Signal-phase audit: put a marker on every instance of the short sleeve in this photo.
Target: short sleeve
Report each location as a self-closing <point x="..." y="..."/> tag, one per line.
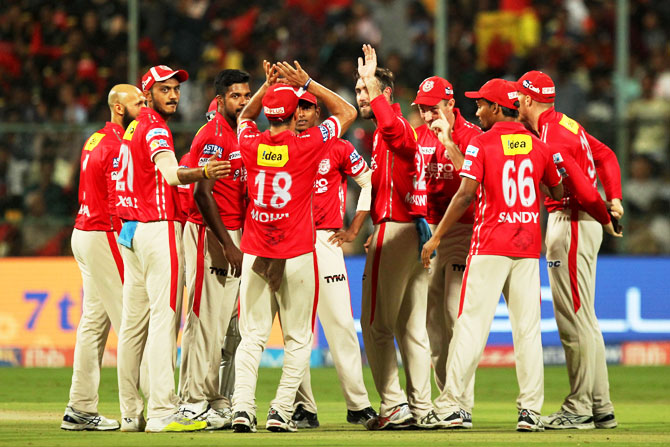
<point x="473" y="164"/>
<point x="551" y="177"/>
<point x="353" y="163"/>
<point x="247" y="132"/>
<point x="159" y="139"/>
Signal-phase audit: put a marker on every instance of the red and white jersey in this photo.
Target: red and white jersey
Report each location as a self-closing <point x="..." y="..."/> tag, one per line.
<point x="216" y="137"/>
<point x="281" y="171"/>
<point x="330" y="187"/>
<point x="185" y="191"/>
<point x="442" y="179"/>
<point x="509" y="162"/>
<point x="97" y="180"/>
<point x="394" y="169"/>
<point x="142" y="192"/>
<point x="567" y="136"/>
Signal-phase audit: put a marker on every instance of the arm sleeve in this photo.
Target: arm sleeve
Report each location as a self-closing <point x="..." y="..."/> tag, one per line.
<point x="167" y="163"/>
<point x="159" y="139"/>
<point x="587" y="196"/>
<point x="473" y="165"/>
<point x="607" y="167"/>
<point x="396" y="132"/>
<point x="364" y="180"/>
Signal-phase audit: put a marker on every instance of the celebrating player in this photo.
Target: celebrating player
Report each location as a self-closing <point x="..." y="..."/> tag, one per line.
<point x="213" y="259"/>
<point x="148" y="203"/>
<point x="334" y="309"/>
<point x="574" y="234"/>
<point x="279" y="266"/>
<point x="442" y="142"/>
<point x="394" y="284"/>
<point x="503" y="167"/>
<point x="97" y="253"/>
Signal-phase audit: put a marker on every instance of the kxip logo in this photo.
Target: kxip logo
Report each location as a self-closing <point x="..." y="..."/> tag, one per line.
<point x="428" y="86"/>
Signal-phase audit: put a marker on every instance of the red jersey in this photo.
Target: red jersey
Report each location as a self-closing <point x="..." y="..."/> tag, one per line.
<point x="394" y="179"/>
<point x="281" y="169"/>
<point x="442" y="179"/>
<point x="593" y="157"/>
<point x="330" y="188"/>
<point x="97" y="180"/>
<point x="216" y="137"/>
<point x="509" y="162"/>
<point x="185" y="191"/>
<point x="143" y="194"/>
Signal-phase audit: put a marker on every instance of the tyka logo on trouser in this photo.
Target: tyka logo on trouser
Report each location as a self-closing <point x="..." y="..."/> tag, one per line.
<point x="218" y="271"/>
<point x="458" y="267"/>
<point x="553" y="264"/>
<point x="335" y="278"/>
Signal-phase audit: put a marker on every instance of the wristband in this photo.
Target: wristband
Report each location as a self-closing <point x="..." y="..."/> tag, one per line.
<point x="304" y="87"/>
<point x="204" y="172"/>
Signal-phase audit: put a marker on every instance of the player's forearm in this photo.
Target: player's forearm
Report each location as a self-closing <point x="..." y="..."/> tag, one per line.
<point x="255" y="105"/>
<point x="396" y="133"/>
<point x="455" y="155"/>
<point x="210" y="214"/>
<point x="457" y="207"/>
<point x="336" y="105"/>
<point x="364" y="180"/>
<point x="358" y="221"/>
<point x="607" y="167"/>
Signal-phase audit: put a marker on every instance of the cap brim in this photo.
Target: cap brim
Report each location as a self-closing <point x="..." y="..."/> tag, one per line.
<point x="427" y="101"/>
<point x="473" y="95"/>
<point x="181" y="75"/>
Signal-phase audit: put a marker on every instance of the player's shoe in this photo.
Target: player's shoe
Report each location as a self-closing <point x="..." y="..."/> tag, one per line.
<point x="194" y="411"/>
<point x="529" y="421"/>
<point x="606" y="420"/>
<point x="174" y="423"/>
<point x="361" y="416"/>
<point x="244" y="423"/>
<point x="564" y="420"/>
<point x="304" y="418"/>
<point x="133" y="424"/>
<point x="278" y="422"/>
<point x="400" y="415"/>
<point x="457" y="419"/>
<point x="429" y="421"/>
<point x="78" y="420"/>
<point x="217" y="419"/>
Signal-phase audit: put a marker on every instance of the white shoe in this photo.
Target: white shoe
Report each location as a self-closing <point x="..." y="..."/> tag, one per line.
<point x="429" y="421"/>
<point x="78" y="421"/>
<point x="529" y="421"/>
<point x="194" y="411"/>
<point x="133" y="424"/>
<point x="218" y="419"/>
<point x="399" y="415"/>
<point x="174" y="423"/>
<point x="563" y="420"/>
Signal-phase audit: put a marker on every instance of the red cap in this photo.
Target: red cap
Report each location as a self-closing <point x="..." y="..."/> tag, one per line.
<point x="537" y="85"/>
<point x="161" y="73"/>
<point x="433" y="90"/>
<point x="497" y="90"/>
<point x="307" y="96"/>
<point x="279" y="102"/>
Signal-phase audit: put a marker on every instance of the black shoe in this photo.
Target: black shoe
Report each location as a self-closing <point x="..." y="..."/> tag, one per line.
<point x="361" y="416"/>
<point x="278" y="422"/>
<point x="304" y="418"/>
<point x="243" y="423"/>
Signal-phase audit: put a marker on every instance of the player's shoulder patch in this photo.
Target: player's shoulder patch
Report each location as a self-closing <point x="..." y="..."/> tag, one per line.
<point x="569" y="123"/>
<point x="130" y="130"/>
<point x="557" y="158"/>
<point x="472" y="151"/>
<point x="93" y="141"/>
<point x="157" y="132"/>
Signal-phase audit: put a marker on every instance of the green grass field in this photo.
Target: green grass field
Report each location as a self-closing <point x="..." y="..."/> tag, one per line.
<point x="32" y="403"/>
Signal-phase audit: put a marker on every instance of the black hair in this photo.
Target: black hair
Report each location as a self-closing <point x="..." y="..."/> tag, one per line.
<point x="506" y="111"/>
<point x="228" y="77"/>
<point x="385" y="77"/>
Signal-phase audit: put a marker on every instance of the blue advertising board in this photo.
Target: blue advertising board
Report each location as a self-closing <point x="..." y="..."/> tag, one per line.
<point x="632" y="301"/>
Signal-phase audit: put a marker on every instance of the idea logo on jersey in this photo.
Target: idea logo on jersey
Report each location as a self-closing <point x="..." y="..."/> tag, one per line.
<point x="273" y="156"/>
<point x="516" y="144"/>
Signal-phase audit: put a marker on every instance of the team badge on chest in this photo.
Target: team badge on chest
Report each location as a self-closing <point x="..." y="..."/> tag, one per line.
<point x="324" y="166"/>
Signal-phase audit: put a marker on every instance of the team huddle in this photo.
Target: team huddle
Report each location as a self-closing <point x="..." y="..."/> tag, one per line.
<point x="251" y="222"/>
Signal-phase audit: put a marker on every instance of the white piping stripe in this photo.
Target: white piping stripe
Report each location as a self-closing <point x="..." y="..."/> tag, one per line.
<point x="158" y="207"/>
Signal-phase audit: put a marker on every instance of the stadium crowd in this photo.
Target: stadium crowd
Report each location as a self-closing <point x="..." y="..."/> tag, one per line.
<point x="59" y="60"/>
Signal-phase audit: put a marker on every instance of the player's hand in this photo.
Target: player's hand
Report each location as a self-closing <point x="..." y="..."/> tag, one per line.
<point x="294" y="76"/>
<point x="217" y="168"/>
<point x="367" y="65"/>
<point x="367" y="243"/>
<point x="271" y="73"/>
<point x="442" y="129"/>
<point x="428" y="251"/>
<point x="339" y="237"/>
<point x="234" y="257"/>
<point x="609" y="229"/>
<point x="616" y="208"/>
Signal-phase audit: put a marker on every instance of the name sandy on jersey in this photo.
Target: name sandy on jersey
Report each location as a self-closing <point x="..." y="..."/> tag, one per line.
<point x="518" y="217"/>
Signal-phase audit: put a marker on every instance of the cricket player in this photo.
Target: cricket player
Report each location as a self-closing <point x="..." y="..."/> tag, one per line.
<point x="148" y="203"/>
<point x="503" y="168"/>
<point x="442" y="163"/>
<point x="213" y="259"/>
<point x="394" y="284"/>
<point x="334" y="309"/>
<point x="279" y="269"/>
<point x="97" y="253"/>
<point x="574" y="234"/>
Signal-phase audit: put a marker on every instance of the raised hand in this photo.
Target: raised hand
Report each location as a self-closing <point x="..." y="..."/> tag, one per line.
<point x="294" y="76"/>
<point x="367" y="66"/>
<point x="271" y="73"/>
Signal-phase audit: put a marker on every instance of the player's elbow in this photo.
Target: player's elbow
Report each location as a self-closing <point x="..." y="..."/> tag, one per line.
<point x="347" y="116"/>
<point x="556" y="191"/>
